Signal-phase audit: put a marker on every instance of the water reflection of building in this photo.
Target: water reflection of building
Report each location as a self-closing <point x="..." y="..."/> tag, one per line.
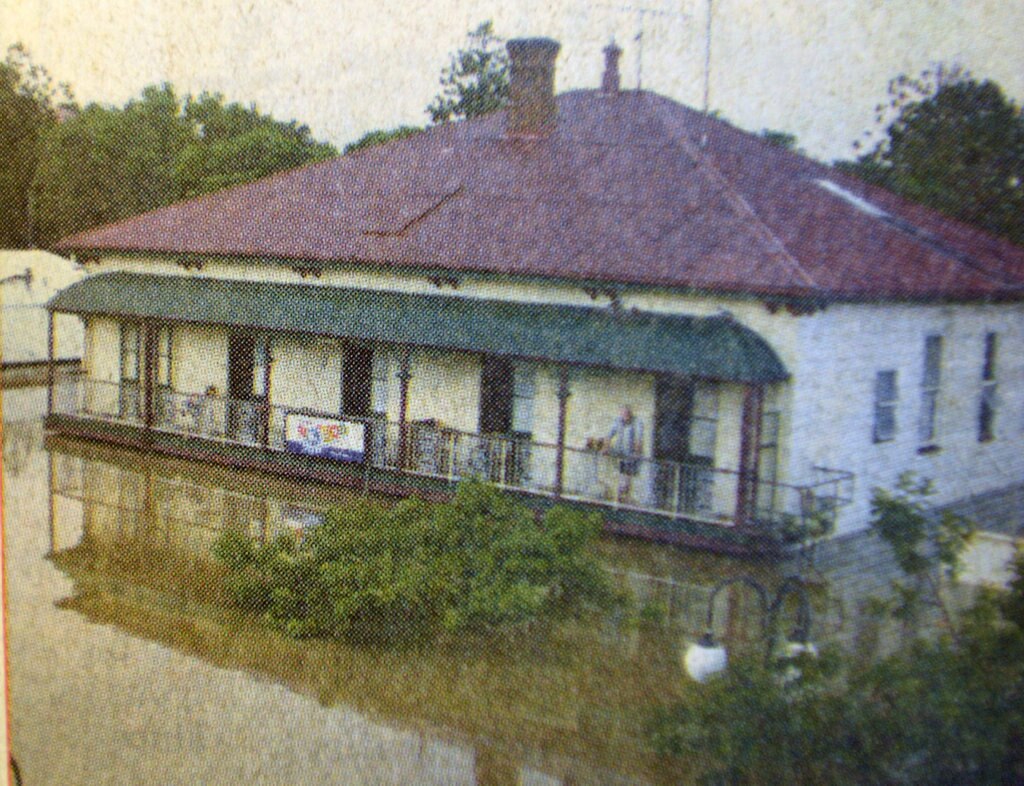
<point x="134" y="533"/>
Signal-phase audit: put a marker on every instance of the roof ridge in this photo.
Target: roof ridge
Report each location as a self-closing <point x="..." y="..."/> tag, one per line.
<point x="735" y="199"/>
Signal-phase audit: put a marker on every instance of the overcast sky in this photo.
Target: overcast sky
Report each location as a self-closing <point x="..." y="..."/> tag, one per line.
<point x="815" y="68"/>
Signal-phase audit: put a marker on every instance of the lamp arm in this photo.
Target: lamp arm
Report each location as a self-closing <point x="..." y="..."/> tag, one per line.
<point x="762" y="594"/>
<point x="791" y="585"/>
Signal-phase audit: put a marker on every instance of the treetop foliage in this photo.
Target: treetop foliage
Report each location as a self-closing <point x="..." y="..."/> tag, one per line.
<point x="380" y="136"/>
<point x="954" y="143"/>
<point x="476" y="79"/>
<point x="69" y="169"/>
<point x="29" y="104"/>
<point x="107" y="163"/>
<point x="940" y="710"/>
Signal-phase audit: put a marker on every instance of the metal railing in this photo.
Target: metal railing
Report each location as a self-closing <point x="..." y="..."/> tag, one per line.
<point x="671" y="489"/>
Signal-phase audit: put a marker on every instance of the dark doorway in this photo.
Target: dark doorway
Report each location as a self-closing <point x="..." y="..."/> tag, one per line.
<point x="246" y="414"/>
<point x="684" y="485"/>
<point x="241" y="367"/>
<point x="673" y="406"/>
<point x="356" y="380"/>
<point x="497" y="384"/>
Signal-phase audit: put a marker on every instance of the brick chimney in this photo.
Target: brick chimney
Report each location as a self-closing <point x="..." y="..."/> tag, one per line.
<point x="532" y="110"/>
<point x="611" y="81"/>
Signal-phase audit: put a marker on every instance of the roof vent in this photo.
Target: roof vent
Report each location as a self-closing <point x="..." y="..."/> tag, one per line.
<point x="532" y="110"/>
<point x="611" y="80"/>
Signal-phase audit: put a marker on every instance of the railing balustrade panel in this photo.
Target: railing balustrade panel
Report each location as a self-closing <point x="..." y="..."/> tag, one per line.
<point x="667" y="488"/>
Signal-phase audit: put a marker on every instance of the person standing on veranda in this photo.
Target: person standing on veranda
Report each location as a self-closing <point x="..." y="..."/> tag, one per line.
<point x="626" y="442"/>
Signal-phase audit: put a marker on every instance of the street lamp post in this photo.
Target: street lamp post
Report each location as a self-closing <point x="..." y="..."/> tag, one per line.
<point x="707" y="657"/>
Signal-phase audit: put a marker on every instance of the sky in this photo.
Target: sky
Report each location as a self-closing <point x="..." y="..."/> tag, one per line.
<point x="813" y="68"/>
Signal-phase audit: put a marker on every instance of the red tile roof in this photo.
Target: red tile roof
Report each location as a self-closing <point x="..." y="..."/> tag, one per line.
<point x="633" y="189"/>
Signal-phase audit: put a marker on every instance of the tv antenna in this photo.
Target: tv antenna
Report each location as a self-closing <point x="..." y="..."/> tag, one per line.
<point x="642" y="12"/>
<point x="707" y="59"/>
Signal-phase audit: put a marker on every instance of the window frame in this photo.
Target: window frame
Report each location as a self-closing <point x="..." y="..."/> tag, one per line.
<point x="987" y="405"/>
<point x="882" y="404"/>
<point x="165" y="357"/>
<point x="931" y="387"/>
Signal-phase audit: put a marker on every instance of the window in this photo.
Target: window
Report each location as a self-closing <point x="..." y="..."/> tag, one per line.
<point x="886" y="395"/>
<point x="163" y="357"/>
<point x="930" y="383"/>
<point x="987" y="403"/>
<point x="704" y="421"/>
<point x="382" y="373"/>
<point x="131" y="338"/>
<point x="162" y="395"/>
<point x="523" y="393"/>
<point x="130" y="394"/>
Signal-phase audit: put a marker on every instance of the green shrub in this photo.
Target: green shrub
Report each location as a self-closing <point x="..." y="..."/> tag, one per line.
<point x="479" y="562"/>
<point x="945" y="710"/>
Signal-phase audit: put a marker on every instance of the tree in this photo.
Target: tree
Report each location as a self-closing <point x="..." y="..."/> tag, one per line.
<point x="233" y="144"/>
<point x="781" y="139"/>
<point x="925" y="543"/>
<point x="955" y="144"/>
<point x="380" y="136"/>
<point x="481" y="562"/>
<point x="943" y="709"/>
<point x="108" y="163"/>
<point x="476" y="79"/>
<point x="29" y="102"/>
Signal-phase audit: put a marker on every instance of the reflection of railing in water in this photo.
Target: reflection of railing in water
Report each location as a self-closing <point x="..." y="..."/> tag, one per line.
<point x="516" y="462"/>
<point x="171" y="512"/>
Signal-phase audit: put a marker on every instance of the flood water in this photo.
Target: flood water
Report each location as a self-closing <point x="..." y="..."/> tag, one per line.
<point x="126" y="665"/>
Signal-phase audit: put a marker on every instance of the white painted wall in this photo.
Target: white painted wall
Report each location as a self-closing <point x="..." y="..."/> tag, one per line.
<point x="306" y="373"/>
<point x="23" y="326"/>
<point x="200" y="359"/>
<point x="826" y="412"/>
<point x="102" y="363"/>
<point x="840" y="351"/>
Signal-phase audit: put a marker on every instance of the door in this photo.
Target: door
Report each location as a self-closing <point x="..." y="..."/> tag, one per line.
<point x="685" y="413"/>
<point x="246" y="396"/>
<point x="356" y="381"/>
<point x="129" y="404"/>
<point x="497" y="388"/>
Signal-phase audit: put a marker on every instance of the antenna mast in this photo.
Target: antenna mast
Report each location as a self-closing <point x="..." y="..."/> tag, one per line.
<point x="641" y="12"/>
<point x="707" y="60"/>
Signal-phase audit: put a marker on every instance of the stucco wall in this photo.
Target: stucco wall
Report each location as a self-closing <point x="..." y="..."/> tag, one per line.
<point x="306" y="373"/>
<point x="841" y="350"/>
<point x="200" y="359"/>
<point x="102" y="364"/>
<point x="445" y="386"/>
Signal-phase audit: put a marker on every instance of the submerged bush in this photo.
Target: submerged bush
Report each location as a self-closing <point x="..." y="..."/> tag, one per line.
<point x="479" y="562"/>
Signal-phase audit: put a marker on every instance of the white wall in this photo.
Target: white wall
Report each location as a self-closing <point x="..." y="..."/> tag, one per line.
<point x="23" y="326"/>
<point x="306" y="373"/>
<point x="840" y="351"/>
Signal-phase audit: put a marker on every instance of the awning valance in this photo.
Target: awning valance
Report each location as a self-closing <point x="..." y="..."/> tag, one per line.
<point x="714" y="347"/>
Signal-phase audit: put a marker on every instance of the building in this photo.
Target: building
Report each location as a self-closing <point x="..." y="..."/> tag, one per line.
<point x="485" y="297"/>
<point x="29" y="279"/>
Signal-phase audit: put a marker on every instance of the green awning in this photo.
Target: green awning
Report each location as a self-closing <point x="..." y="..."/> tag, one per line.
<point x="715" y="347"/>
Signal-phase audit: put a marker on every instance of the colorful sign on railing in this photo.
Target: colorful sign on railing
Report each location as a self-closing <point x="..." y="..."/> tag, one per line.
<point x="341" y="440"/>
